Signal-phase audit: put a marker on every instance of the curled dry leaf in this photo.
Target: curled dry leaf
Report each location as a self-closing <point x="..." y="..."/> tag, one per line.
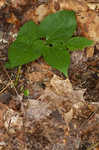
<point x="61" y="96"/>
<point x="64" y="88"/>
<point x="61" y="87"/>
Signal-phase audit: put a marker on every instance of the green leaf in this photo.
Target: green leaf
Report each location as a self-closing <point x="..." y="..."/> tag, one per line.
<point x="26" y="92"/>
<point x="22" y="53"/>
<point x="27" y="47"/>
<point x="58" y="58"/>
<point x="76" y="43"/>
<point x="28" y="32"/>
<point x="60" y="25"/>
<point x="48" y="40"/>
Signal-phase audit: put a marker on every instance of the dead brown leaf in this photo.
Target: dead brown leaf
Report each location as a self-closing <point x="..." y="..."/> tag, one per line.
<point x="3" y="109"/>
<point x="12" y="19"/>
<point x="37" y="110"/>
<point x="90" y="51"/>
<point x="2" y="3"/>
<point x="61" y="95"/>
<point x="12" y="121"/>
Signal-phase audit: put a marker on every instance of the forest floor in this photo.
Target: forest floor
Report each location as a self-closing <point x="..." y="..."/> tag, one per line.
<point x="41" y="109"/>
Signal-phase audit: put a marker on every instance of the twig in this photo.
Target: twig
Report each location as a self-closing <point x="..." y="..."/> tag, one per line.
<point x="9" y="78"/>
<point x="93" y="146"/>
<point x="5" y="88"/>
<point x="17" y="76"/>
<point x="89" y="117"/>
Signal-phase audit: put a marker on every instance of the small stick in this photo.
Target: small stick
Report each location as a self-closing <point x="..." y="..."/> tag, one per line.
<point x="9" y="78"/>
<point x="93" y="146"/>
<point x="5" y="88"/>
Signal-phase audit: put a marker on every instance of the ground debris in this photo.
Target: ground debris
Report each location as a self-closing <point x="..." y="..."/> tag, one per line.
<point x="58" y="114"/>
<point x="46" y="119"/>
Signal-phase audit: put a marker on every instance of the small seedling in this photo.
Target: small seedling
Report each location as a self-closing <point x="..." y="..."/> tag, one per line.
<point x="52" y="39"/>
<point x="26" y="92"/>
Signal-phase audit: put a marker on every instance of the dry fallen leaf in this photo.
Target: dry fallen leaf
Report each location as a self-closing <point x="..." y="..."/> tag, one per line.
<point x="12" y="19"/>
<point x="90" y="51"/>
<point x="18" y="3"/>
<point x="37" y="110"/>
<point x="2" y="3"/>
<point x="38" y="72"/>
<point x="61" y="95"/>
<point x="12" y="121"/>
<point x="64" y="88"/>
<point x="3" y="109"/>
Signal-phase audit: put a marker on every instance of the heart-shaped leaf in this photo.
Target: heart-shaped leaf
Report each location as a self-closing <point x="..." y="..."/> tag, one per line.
<point x="60" y="25"/>
<point x="58" y="58"/>
<point x="22" y="53"/>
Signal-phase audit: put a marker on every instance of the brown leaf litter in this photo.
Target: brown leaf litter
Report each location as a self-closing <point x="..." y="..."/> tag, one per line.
<point x="54" y="116"/>
<point x="54" y="120"/>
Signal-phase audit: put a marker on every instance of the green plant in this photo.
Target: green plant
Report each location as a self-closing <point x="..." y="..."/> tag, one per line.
<point x="26" y="92"/>
<point x="52" y="39"/>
